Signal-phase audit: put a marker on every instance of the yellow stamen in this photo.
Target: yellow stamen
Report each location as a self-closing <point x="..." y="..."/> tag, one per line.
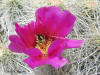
<point x="43" y="45"/>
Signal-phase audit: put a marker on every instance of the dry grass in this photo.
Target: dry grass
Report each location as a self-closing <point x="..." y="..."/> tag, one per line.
<point x="83" y="61"/>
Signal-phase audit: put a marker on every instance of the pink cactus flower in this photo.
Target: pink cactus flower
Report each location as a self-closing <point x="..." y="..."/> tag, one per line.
<point x="44" y="40"/>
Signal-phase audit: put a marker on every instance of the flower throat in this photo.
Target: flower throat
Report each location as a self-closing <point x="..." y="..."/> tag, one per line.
<point x="43" y="43"/>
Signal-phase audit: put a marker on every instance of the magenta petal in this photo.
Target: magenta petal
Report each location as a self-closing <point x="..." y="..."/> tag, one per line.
<point x="13" y="47"/>
<point x="32" y="26"/>
<point x="66" y="24"/>
<point x="68" y="43"/>
<point x="46" y="17"/>
<point x="55" y="48"/>
<point x="58" y="45"/>
<point x="34" y="63"/>
<point x="57" y="62"/>
<point x="16" y="44"/>
<point x="55" y="21"/>
<point x="32" y="52"/>
<point x="26" y="34"/>
<point x="29" y="62"/>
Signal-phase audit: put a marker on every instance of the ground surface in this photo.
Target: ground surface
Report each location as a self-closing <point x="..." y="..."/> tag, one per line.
<point x="83" y="61"/>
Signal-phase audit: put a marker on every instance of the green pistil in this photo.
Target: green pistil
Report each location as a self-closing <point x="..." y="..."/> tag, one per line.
<point x="40" y="38"/>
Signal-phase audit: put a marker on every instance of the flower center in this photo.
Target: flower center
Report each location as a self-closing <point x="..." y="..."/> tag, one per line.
<point x="43" y="43"/>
